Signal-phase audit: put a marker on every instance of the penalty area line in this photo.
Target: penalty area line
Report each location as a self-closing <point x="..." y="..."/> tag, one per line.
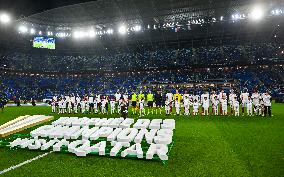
<point x="24" y="163"/>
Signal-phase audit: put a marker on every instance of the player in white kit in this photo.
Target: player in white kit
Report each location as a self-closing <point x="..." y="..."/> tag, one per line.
<point x="244" y="97"/>
<point x="222" y="95"/>
<point x="53" y="106"/>
<point x="249" y="107"/>
<point x="232" y="96"/>
<point x="236" y="105"/>
<point x="203" y="96"/>
<point x="215" y="105"/>
<point x="69" y="106"/>
<point x="224" y="104"/>
<point x="112" y="106"/>
<point x="256" y="103"/>
<point x="177" y="106"/>
<point x="141" y="107"/>
<point x="104" y="102"/>
<point x="195" y="107"/>
<point x="186" y="104"/>
<point x="267" y="104"/>
<point x="167" y="106"/>
<point x="205" y="105"/>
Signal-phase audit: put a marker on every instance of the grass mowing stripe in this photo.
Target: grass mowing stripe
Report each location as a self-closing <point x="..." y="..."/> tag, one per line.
<point x="24" y="163"/>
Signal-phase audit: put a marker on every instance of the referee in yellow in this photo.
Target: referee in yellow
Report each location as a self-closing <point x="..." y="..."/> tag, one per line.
<point x="134" y="102"/>
<point x="150" y="101"/>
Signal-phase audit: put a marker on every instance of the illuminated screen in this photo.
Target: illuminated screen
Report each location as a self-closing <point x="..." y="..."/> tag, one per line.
<point x="44" y="42"/>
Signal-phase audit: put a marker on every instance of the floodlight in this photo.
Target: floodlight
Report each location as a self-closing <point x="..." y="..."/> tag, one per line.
<point x="92" y="33"/>
<point x="5" y="18"/>
<point x="78" y="34"/>
<point x="23" y="29"/>
<point x="137" y="28"/>
<point x="257" y="13"/>
<point x="122" y="29"/>
<point x="109" y="31"/>
<point x="49" y="33"/>
<point x="32" y="31"/>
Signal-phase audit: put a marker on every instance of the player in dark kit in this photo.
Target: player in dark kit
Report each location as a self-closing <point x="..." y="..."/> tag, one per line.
<point x="124" y="109"/>
<point x="2" y="104"/>
<point x="158" y="101"/>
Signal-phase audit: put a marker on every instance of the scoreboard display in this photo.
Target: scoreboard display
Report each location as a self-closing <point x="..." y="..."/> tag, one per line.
<point x="44" y="42"/>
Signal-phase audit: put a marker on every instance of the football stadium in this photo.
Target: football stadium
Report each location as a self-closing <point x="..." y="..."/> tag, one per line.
<point x="142" y="88"/>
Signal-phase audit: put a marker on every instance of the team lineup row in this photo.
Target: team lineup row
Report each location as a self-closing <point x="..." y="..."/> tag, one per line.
<point x="251" y="104"/>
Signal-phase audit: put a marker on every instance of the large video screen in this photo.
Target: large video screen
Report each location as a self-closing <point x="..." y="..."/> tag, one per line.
<point x="44" y="42"/>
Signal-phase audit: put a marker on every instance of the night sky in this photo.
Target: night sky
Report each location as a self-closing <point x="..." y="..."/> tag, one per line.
<point x="19" y="8"/>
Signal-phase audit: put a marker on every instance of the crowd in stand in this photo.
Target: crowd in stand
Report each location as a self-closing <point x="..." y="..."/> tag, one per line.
<point x="25" y="86"/>
<point x="158" y="69"/>
<point x="226" y="55"/>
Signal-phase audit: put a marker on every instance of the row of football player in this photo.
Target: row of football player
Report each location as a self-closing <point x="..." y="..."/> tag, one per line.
<point x="160" y="97"/>
<point x="260" y="103"/>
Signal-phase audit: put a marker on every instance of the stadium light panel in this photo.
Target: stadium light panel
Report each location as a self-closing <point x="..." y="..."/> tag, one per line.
<point x="257" y="13"/>
<point x="23" y="29"/>
<point x="5" y="18"/>
<point x="122" y="29"/>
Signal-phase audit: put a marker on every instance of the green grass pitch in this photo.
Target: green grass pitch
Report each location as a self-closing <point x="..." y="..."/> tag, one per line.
<point x="204" y="146"/>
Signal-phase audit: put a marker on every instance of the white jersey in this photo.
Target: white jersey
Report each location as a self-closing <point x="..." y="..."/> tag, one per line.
<point x="255" y="99"/>
<point x="177" y="104"/>
<point x="73" y="99"/>
<point x="169" y="96"/>
<point x="167" y="105"/>
<point x="104" y="102"/>
<point x="125" y="97"/>
<point x="112" y="103"/>
<point x="249" y="103"/>
<point x="60" y="103"/>
<point x="212" y="96"/>
<point x="196" y="97"/>
<point x="117" y="96"/>
<point x="236" y="104"/>
<point x="141" y="104"/>
<point x="69" y="104"/>
<point x="224" y="103"/>
<point x="244" y="97"/>
<point x="184" y="96"/>
<point x="266" y="100"/>
<point x="186" y="101"/>
<point x="91" y="99"/>
<point x="232" y="97"/>
<point x="195" y="105"/>
<point x="54" y="98"/>
<point x="215" y="103"/>
<point x="95" y="104"/>
<point x="98" y="98"/>
<point x="203" y="96"/>
<point x="78" y="99"/>
<point x="83" y="104"/>
<point x="222" y="95"/>
<point x="205" y="103"/>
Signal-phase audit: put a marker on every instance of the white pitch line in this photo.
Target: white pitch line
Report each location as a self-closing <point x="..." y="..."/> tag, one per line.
<point x="24" y="163"/>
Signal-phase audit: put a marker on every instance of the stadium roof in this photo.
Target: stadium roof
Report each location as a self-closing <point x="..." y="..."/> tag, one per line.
<point x="106" y="12"/>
